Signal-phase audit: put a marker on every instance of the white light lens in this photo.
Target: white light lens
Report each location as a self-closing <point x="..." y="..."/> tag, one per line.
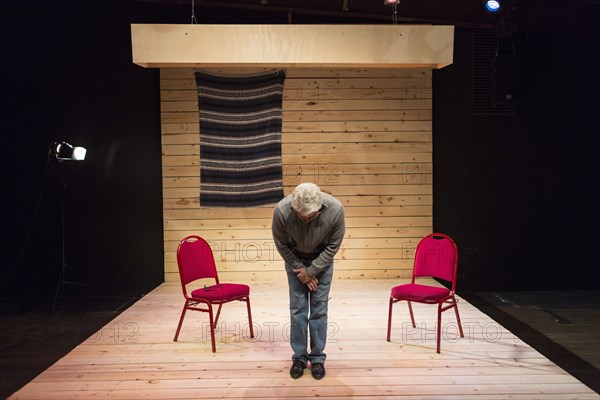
<point x="79" y="153"/>
<point x="492" y="5"/>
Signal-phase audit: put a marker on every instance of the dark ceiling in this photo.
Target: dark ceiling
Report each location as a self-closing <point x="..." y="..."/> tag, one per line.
<point x="579" y="17"/>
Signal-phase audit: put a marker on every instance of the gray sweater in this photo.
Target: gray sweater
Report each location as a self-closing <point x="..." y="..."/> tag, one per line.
<point x="319" y="239"/>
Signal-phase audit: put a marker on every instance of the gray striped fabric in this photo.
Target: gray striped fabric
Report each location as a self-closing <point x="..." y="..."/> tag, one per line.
<point x="240" y="139"/>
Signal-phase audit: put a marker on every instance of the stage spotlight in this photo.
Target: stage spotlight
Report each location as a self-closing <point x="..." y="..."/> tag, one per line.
<point x="391" y="2"/>
<point x="66" y="151"/>
<point x="492" y="6"/>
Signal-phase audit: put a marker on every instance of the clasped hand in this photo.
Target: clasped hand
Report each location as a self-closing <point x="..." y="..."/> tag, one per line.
<point x="312" y="283"/>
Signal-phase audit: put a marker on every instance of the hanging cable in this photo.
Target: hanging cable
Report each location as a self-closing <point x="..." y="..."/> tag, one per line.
<point x="394" y="4"/>
<point x="193" y="14"/>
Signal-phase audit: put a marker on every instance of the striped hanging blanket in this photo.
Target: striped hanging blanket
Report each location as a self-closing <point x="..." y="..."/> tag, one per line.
<point x="240" y="139"/>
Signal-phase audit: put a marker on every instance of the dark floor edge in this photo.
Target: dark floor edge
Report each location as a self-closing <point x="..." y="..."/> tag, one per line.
<point x="33" y="337"/>
<point x="580" y="369"/>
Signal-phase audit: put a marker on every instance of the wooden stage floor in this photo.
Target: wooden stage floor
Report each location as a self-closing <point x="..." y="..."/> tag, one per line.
<point x="134" y="356"/>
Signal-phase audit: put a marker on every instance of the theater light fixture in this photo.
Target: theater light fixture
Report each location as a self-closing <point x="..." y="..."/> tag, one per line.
<point x="66" y="151"/>
<point x="492" y="6"/>
<point x="391" y="2"/>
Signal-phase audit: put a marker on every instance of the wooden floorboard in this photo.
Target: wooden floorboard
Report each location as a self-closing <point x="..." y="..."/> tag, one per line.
<point x="134" y="356"/>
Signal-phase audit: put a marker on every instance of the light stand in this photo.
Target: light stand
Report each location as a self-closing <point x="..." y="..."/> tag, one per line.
<point x="64" y="152"/>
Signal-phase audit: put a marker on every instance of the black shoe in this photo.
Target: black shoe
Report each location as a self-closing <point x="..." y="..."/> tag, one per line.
<point x="297" y="369"/>
<point x="317" y="370"/>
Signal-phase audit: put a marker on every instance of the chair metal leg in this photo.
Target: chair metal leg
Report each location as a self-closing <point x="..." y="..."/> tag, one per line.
<point x="180" y="321"/>
<point x="389" y="329"/>
<point x="218" y="314"/>
<point x="439" y="327"/>
<point x="212" y="327"/>
<point x="412" y="315"/>
<point x="249" y="317"/>
<point x="460" y="329"/>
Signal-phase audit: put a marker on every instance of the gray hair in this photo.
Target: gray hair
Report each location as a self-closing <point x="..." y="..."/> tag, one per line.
<point x="307" y="198"/>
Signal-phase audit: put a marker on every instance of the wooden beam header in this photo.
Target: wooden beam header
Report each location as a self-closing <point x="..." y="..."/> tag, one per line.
<point x="288" y="46"/>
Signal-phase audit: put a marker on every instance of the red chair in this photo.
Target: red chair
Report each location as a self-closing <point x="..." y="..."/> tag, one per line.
<point x="196" y="261"/>
<point x="436" y="256"/>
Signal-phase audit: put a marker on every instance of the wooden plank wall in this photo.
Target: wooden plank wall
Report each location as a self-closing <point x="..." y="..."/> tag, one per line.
<point x="362" y="135"/>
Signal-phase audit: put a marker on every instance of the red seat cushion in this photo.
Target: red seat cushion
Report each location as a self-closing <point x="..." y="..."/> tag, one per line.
<point x="222" y="292"/>
<point x="420" y="293"/>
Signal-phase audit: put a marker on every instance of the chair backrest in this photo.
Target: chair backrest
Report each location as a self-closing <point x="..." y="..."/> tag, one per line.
<point x="195" y="260"/>
<point x="436" y="256"/>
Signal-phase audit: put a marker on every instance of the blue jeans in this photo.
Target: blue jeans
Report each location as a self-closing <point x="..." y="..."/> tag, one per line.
<point x="308" y="312"/>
